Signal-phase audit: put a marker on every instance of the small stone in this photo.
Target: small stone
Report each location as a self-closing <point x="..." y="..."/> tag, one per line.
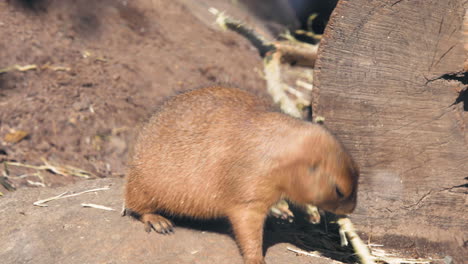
<point x="117" y="145"/>
<point x="448" y="260"/>
<point x="80" y="106"/>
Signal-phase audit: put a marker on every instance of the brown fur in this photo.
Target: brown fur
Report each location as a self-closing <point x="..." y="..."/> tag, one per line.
<point x="222" y="152"/>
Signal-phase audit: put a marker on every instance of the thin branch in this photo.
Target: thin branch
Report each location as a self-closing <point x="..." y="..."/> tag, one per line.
<point x="61" y="170"/>
<point x="41" y="203"/>
<point x="226" y="22"/>
<point x="97" y="206"/>
<point x="359" y="247"/>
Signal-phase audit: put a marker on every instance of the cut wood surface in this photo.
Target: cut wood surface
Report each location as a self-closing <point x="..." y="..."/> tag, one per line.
<point x="382" y="82"/>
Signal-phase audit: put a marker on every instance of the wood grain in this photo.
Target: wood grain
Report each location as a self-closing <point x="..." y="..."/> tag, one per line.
<point x="371" y="85"/>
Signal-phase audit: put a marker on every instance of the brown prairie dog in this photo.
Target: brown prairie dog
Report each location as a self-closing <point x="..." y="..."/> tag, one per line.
<point x="223" y="152"/>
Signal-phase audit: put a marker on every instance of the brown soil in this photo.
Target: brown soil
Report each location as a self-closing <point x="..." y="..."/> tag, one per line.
<point x="123" y="59"/>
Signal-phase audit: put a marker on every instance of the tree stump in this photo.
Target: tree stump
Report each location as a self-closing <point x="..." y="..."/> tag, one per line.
<point x="389" y="82"/>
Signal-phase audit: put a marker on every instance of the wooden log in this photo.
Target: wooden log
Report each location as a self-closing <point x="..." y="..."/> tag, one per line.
<point x="388" y="81"/>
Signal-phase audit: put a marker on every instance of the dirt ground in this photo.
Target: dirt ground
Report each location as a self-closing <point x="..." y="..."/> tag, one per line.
<point x="121" y="61"/>
<point x="102" y="67"/>
<point x="65" y="232"/>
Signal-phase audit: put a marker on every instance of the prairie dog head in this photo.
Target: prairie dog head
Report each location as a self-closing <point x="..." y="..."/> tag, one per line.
<point x="322" y="173"/>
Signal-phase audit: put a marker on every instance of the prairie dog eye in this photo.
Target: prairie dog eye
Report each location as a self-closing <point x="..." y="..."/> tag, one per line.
<point x="314" y="167"/>
<point x="339" y="193"/>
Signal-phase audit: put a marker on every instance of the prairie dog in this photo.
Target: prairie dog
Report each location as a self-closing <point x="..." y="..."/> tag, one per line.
<point x="223" y="152"/>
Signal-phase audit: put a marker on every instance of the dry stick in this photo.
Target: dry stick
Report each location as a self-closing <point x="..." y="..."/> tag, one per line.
<point x="97" y="206"/>
<point x="55" y="68"/>
<point x="305" y="85"/>
<point x="361" y="249"/>
<point x="273" y="54"/>
<point x="19" y="68"/>
<point x="41" y="202"/>
<point x="62" y="195"/>
<point x="227" y="22"/>
<point x="271" y="61"/>
<point x="302" y="53"/>
<point x="67" y="170"/>
<point x="309" y="32"/>
<point x="34" y="183"/>
<point x="33" y="67"/>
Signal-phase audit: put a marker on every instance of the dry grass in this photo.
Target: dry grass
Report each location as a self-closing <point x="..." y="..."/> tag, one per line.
<point x="42" y="203"/>
<point x="64" y="170"/>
